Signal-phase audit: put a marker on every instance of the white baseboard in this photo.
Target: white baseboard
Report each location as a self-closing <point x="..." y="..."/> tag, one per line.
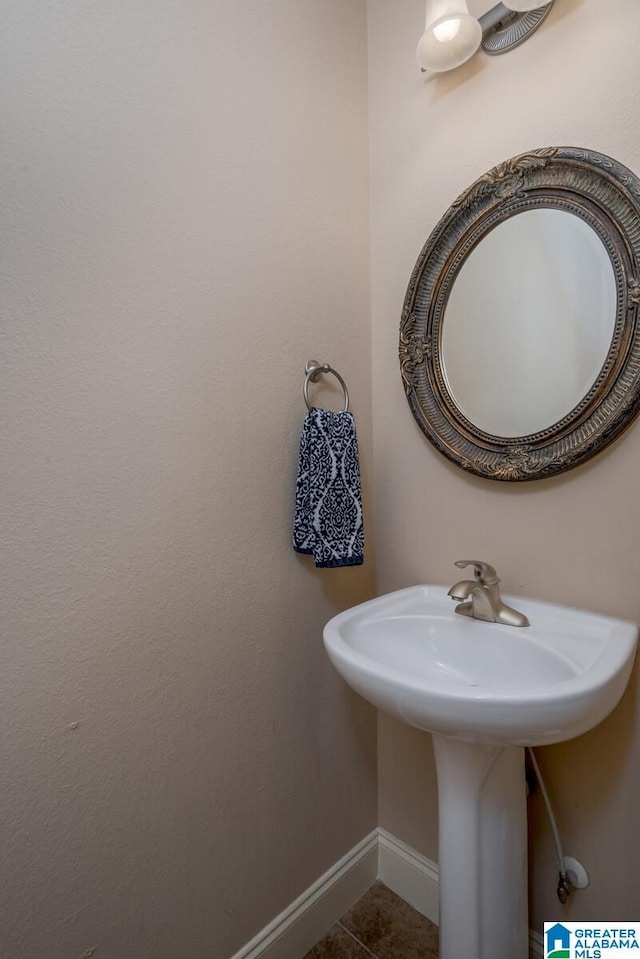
<point x="296" y="930"/>
<point x="378" y="856"/>
<point x="411" y="876"/>
<point x="536" y="945"/>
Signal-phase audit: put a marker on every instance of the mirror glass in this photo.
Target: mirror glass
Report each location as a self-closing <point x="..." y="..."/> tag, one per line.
<point x="529" y="322"/>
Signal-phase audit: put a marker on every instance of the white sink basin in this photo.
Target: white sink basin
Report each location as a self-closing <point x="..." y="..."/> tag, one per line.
<point x="411" y="655"/>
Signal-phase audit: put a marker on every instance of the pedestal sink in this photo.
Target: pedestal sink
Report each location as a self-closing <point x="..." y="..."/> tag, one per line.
<point x="485" y="691"/>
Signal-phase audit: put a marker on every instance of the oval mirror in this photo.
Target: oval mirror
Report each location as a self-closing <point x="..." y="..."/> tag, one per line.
<point x="529" y="322"/>
<point x="519" y="346"/>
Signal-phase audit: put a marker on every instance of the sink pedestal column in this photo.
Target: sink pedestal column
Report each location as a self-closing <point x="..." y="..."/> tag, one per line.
<point x="482" y="850"/>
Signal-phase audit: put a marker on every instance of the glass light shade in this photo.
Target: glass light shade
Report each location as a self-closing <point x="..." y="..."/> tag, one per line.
<point x="451" y="35"/>
<point x="523" y="6"/>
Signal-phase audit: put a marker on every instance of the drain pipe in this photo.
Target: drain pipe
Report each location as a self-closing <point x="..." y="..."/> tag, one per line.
<point x="571" y="873"/>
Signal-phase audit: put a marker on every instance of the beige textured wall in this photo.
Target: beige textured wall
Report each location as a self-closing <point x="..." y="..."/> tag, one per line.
<point x="573" y="539"/>
<point x="185" y="221"/>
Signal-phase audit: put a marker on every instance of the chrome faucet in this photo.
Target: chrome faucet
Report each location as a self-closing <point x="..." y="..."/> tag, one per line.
<point x="483" y="595"/>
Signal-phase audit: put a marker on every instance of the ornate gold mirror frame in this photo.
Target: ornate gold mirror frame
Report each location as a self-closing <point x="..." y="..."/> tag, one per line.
<point x="606" y="195"/>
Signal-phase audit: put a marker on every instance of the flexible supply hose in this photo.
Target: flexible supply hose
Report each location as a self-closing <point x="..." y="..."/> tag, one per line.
<point x="564" y="885"/>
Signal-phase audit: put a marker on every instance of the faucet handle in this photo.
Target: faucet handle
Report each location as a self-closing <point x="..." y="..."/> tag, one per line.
<point x="483" y="572"/>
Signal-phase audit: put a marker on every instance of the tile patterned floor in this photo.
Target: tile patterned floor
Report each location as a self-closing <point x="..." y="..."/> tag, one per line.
<point x="379" y="926"/>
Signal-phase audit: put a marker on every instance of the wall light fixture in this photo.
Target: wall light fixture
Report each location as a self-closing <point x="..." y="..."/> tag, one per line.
<point x="452" y="35"/>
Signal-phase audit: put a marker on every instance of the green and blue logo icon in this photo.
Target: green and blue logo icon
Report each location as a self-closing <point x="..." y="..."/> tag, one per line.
<point x="558" y="942"/>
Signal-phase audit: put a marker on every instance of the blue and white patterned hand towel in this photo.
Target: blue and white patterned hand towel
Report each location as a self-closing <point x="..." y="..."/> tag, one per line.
<point x="328" y="514"/>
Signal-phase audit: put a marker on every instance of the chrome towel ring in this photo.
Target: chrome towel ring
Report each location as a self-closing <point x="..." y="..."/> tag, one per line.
<point x="313" y="370"/>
